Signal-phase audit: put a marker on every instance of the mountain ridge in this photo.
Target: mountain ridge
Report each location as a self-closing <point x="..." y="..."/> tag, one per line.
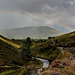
<point x="31" y="31"/>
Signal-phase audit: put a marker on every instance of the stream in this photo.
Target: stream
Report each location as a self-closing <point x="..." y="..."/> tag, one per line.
<point x="45" y="62"/>
<point x="45" y="65"/>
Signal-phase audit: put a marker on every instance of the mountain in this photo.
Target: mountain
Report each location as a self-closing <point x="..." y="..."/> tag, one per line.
<point x="32" y="31"/>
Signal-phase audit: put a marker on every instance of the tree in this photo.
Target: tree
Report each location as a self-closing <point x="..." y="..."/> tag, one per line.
<point x="26" y="55"/>
<point x="28" y="41"/>
<point x="52" y="42"/>
<point x="49" y="38"/>
<point x="26" y="52"/>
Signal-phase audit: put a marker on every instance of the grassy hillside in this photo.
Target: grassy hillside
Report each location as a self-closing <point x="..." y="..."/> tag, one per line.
<point x="45" y="50"/>
<point x="7" y="53"/>
<point x="10" y="42"/>
<point x="61" y="67"/>
<point x="66" y="40"/>
<point x="10" y="62"/>
<point x="64" y="64"/>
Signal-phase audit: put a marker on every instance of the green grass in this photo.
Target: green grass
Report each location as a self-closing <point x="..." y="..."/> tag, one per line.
<point x="8" y="72"/>
<point x="65" y="40"/>
<point x="62" y="54"/>
<point x="10" y="43"/>
<point x="7" y="53"/>
<point x="22" y="72"/>
<point x="45" y="50"/>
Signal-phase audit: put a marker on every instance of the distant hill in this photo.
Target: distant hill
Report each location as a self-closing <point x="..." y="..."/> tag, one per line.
<point x="32" y="31"/>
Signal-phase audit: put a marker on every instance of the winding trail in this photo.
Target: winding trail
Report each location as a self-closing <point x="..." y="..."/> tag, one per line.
<point x="62" y="51"/>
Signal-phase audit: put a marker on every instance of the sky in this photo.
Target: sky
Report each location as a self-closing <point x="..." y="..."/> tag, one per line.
<point x="58" y="14"/>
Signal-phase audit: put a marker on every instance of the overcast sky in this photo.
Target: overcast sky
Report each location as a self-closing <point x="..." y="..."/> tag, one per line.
<point x="58" y="14"/>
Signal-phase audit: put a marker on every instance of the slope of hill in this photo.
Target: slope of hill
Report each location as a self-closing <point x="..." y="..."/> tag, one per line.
<point x="35" y="32"/>
<point x="10" y="62"/>
<point x="7" y="53"/>
<point x="64" y="64"/>
<point x="9" y="42"/>
<point x="61" y="67"/>
<point x="66" y="40"/>
<point x="45" y="50"/>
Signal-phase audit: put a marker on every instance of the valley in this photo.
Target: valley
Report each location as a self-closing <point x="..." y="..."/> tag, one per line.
<point x="19" y="53"/>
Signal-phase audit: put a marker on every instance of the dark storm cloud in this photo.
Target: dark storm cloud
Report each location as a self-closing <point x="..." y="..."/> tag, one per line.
<point x="31" y="5"/>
